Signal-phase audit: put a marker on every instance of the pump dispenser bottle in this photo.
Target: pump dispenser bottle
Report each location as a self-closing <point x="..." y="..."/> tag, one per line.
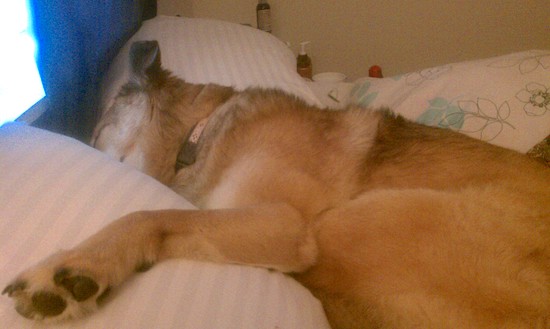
<point x="263" y="16"/>
<point x="303" y="62"/>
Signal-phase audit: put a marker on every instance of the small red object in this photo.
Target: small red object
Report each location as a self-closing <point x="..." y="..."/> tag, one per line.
<point x="375" y="71"/>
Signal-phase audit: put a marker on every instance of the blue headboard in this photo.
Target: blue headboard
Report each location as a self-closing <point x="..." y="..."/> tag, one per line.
<point x="77" y="41"/>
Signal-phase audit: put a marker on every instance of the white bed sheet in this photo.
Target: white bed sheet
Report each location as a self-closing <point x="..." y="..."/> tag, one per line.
<point x="56" y="191"/>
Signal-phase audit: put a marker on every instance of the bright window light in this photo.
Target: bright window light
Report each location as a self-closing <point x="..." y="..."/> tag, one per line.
<point x="20" y="84"/>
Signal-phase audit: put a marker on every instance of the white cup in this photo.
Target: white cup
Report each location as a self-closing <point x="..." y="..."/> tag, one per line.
<point x="329" y="77"/>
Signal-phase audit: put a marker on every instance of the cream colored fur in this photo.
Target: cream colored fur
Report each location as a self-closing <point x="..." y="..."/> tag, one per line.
<point x="389" y="223"/>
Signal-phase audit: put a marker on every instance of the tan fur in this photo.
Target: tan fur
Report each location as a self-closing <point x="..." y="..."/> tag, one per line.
<point x="389" y="223"/>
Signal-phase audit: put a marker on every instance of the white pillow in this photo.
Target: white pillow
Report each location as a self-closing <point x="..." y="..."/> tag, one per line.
<point x="56" y="191"/>
<point x="503" y="100"/>
<point x="211" y="51"/>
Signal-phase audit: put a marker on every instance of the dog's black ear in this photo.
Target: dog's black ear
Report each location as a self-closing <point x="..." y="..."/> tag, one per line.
<point x="144" y="60"/>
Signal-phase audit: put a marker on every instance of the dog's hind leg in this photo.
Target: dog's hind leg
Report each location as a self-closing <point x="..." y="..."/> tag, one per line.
<point x="68" y="284"/>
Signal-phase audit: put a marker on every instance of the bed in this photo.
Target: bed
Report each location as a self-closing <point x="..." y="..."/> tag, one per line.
<point x="56" y="190"/>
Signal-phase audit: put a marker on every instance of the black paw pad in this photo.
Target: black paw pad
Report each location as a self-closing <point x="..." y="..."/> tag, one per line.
<point x="80" y="286"/>
<point x="14" y="287"/>
<point x="48" y="304"/>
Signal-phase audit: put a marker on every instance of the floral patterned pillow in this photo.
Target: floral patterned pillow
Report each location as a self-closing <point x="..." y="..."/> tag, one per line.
<point x="503" y="100"/>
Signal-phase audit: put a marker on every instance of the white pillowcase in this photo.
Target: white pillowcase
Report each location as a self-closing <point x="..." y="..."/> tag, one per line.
<point x="211" y="51"/>
<point x="56" y="191"/>
<point x="503" y="100"/>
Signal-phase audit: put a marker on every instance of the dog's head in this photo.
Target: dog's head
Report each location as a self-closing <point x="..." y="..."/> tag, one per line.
<point x="146" y="121"/>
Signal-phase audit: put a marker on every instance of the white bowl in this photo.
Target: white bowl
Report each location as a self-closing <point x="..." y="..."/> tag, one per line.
<point x="329" y="77"/>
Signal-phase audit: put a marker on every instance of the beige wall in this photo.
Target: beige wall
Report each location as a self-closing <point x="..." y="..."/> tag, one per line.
<point x="348" y="36"/>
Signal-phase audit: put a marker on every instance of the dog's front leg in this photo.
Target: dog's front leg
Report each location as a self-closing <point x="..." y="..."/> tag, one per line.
<point x="69" y="283"/>
<point x="271" y="236"/>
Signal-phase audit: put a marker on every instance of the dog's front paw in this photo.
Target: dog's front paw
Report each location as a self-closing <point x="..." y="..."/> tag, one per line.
<point x="57" y="290"/>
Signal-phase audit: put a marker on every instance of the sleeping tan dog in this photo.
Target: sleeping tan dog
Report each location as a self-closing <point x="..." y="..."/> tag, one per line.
<point x="389" y="223"/>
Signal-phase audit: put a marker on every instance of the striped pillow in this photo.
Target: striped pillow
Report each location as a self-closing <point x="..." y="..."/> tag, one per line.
<point x="56" y="191"/>
<point x="211" y="51"/>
